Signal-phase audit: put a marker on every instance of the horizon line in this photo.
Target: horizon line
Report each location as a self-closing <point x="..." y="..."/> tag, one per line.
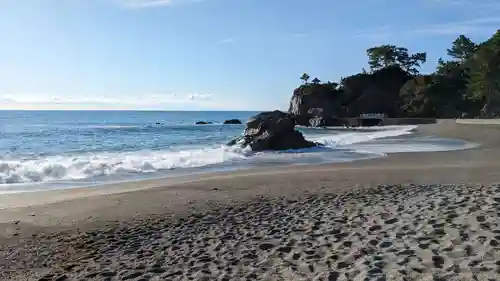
<point x="144" y="110"/>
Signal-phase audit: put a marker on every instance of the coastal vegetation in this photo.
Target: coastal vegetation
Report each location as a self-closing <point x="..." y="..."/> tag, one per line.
<point x="467" y="85"/>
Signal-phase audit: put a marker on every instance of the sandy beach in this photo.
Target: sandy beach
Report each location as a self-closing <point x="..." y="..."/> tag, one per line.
<point x="408" y="216"/>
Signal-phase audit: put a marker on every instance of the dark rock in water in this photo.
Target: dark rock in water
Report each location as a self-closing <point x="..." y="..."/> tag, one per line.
<point x="240" y="141"/>
<point x="273" y="130"/>
<point x="232" y="121"/>
<point x="202" y="123"/>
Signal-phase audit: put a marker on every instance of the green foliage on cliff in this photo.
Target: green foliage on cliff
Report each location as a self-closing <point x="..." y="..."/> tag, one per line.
<point x="462" y="48"/>
<point x="305" y="77"/>
<point x="466" y="85"/>
<point x="390" y="55"/>
<point x="484" y="76"/>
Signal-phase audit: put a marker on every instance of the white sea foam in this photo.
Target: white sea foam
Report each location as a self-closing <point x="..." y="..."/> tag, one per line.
<point x="345" y="146"/>
<point x="420" y="144"/>
<point x="94" y="165"/>
<point x="364" y="135"/>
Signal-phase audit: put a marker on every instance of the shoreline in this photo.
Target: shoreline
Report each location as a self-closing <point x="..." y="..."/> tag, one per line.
<point x="26" y="199"/>
<point x="222" y="158"/>
<point x="135" y="207"/>
<point x="185" y="175"/>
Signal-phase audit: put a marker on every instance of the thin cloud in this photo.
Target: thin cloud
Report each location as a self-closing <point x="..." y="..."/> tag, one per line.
<point x="145" y="3"/>
<point x="141" y="100"/>
<point x="199" y="97"/>
<point x="466" y="27"/>
<point x="268" y="38"/>
<point x="480" y="17"/>
<point x="484" y="25"/>
<point x="381" y="33"/>
<point x="226" y="41"/>
<point x="137" y="4"/>
<point x="152" y="101"/>
<point x="7" y="99"/>
<point x="468" y="5"/>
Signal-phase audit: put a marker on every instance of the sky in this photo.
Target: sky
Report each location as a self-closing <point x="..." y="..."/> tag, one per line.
<point x="209" y="54"/>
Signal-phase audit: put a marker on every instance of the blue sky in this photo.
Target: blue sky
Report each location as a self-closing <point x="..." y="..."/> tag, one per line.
<point x="209" y="54"/>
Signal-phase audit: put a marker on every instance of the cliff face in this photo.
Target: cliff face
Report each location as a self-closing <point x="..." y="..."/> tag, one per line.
<point x="314" y="101"/>
<point x="468" y="85"/>
<point x="323" y="104"/>
<point x="377" y="92"/>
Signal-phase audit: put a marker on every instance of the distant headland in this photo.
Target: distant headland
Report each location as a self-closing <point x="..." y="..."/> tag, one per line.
<point x="467" y="86"/>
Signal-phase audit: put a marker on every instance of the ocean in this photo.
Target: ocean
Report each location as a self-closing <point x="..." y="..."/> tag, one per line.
<point x="42" y="150"/>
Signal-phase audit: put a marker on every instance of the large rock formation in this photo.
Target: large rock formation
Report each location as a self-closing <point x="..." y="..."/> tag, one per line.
<point x="376" y="92"/>
<point x="315" y="102"/>
<point x="465" y="86"/>
<point x="326" y="104"/>
<point x="273" y="130"/>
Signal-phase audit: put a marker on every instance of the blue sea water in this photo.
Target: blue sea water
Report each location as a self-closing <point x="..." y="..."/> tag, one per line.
<point x="64" y="148"/>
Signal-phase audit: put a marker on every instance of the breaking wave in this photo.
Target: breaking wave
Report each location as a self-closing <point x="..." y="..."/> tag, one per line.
<point x="91" y="165"/>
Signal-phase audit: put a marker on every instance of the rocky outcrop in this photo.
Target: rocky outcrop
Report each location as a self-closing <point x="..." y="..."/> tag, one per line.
<point x="377" y="92"/>
<point x="326" y="104"/>
<point x="202" y="123"/>
<point x="232" y="121"/>
<point x="273" y="130"/>
<point x="313" y="101"/>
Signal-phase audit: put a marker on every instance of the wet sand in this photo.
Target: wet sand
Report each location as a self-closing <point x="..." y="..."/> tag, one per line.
<point x="435" y="216"/>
